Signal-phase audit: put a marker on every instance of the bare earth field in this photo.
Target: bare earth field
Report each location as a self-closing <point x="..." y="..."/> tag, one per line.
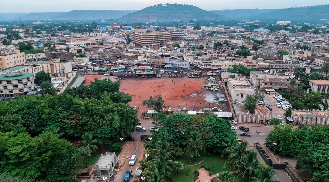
<point x="176" y="92"/>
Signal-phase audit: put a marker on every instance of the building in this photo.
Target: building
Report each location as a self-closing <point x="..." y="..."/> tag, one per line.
<point x="141" y="37"/>
<point x="269" y="81"/>
<point x="239" y="89"/>
<point x="319" y="86"/>
<point x="283" y="22"/>
<point x="105" y="165"/>
<point x="55" y="67"/>
<point x="63" y="56"/>
<point x="177" y="35"/>
<point x="16" y="84"/>
<point x="11" y="58"/>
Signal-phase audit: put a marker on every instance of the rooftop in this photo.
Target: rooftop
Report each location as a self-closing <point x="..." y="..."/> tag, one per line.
<point x="12" y="69"/>
<point x="320" y="82"/>
<point x="15" y="76"/>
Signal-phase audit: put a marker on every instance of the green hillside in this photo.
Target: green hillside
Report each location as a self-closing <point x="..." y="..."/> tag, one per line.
<point x="172" y="12"/>
<point x="312" y="14"/>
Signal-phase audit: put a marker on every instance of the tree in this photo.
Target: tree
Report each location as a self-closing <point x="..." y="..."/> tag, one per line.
<point x="217" y="45"/>
<point x="255" y="47"/>
<point x="47" y="45"/>
<point x="201" y="47"/>
<point x="156" y="104"/>
<point x="6" y="42"/>
<point x="298" y="72"/>
<point x="67" y="49"/>
<point x="287" y="113"/>
<point x="79" y="51"/>
<point x="197" y="27"/>
<point x="250" y="103"/>
<point x="325" y="68"/>
<point x="274" y="122"/>
<point x="226" y="176"/>
<point x="176" y="45"/>
<point x="41" y="77"/>
<point x="47" y="88"/>
<point x="81" y="55"/>
<point x="281" y="53"/>
<point x="194" y="145"/>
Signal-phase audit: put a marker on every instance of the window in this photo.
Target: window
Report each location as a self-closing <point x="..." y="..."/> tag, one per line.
<point x="9" y="82"/>
<point x="4" y="87"/>
<point x="10" y="91"/>
<point x="15" y="86"/>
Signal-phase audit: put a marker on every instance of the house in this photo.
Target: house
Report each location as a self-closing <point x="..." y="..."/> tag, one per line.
<point x="105" y="165"/>
<point x="319" y="86"/>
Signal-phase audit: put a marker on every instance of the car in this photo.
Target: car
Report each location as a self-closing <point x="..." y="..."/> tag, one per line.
<point x="260" y="103"/>
<point x="169" y="109"/>
<point x="233" y="128"/>
<point x="132" y="160"/>
<point x="233" y="122"/>
<point x="215" y="109"/>
<point x="139" y="123"/>
<point x="140" y="128"/>
<point x="152" y="129"/>
<point x="269" y="108"/>
<point x="279" y="117"/>
<point x="184" y="109"/>
<point x="106" y="74"/>
<point x="127" y="176"/>
<point x="278" y="105"/>
<point x="242" y="127"/>
<point x="245" y="134"/>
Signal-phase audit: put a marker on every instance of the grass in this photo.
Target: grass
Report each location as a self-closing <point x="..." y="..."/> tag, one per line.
<point x="212" y="162"/>
<point x="93" y="158"/>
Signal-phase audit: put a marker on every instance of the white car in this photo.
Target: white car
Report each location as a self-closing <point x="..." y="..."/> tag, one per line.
<point x="278" y="105"/>
<point x="169" y="109"/>
<point x="233" y="128"/>
<point x="132" y="160"/>
<point x="234" y="122"/>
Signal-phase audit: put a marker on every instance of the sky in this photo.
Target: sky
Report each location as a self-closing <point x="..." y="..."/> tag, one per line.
<point x="24" y="6"/>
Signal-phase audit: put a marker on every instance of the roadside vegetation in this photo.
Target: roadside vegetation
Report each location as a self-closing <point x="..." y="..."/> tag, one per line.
<point x="186" y="139"/>
<point x="37" y="133"/>
<point x="309" y="145"/>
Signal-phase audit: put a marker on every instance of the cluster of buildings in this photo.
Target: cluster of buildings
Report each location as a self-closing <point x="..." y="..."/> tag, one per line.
<point x="123" y="50"/>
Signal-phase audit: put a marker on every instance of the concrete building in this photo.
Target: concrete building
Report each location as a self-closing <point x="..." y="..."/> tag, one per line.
<point x="11" y="58"/>
<point x="267" y="81"/>
<point x="239" y="89"/>
<point x="177" y="35"/>
<point x="141" y="37"/>
<point x="319" y="86"/>
<point x="16" y="84"/>
<point x="55" y="67"/>
<point x="105" y="165"/>
<point x="35" y="56"/>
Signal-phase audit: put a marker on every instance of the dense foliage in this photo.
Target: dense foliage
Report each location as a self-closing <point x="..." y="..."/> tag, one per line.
<point x="97" y="88"/>
<point x="41" y="77"/>
<point x="43" y="157"/>
<point x="309" y="145"/>
<point x="30" y="128"/>
<point x="191" y="136"/>
<point x="240" y="69"/>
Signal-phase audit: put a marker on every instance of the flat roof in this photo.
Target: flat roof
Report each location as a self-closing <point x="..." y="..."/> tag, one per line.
<point x="14" y="68"/>
<point x="320" y="82"/>
<point x="15" y="76"/>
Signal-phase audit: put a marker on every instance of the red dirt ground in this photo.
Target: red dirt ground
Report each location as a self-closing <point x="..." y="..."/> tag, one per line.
<point x="91" y="78"/>
<point x="175" y="92"/>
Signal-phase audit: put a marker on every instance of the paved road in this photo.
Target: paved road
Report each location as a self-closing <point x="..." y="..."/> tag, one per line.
<point x="260" y="138"/>
<point x="129" y="148"/>
<point x="78" y="81"/>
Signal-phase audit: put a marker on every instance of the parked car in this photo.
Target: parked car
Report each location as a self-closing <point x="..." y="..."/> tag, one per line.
<point x="278" y="105"/>
<point x="215" y="109"/>
<point x="260" y="103"/>
<point x="233" y="122"/>
<point x="279" y="117"/>
<point x="152" y="128"/>
<point x="269" y="108"/>
<point x="244" y="128"/>
<point x="233" y="128"/>
<point x="140" y="128"/>
<point x="169" y="109"/>
<point x="245" y="134"/>
<point x="132" y="160"/>
<point x="127" y="176"/>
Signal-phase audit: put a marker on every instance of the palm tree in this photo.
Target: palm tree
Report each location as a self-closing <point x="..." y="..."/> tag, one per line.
<point x="194" y="145"/>
<point x="325" y="68"/>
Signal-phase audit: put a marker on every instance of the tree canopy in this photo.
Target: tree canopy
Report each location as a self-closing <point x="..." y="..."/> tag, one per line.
<point x="41" y="77"/>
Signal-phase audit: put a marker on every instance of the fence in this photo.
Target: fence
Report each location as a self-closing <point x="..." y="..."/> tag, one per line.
<point x="264" y="155"/>
<point x="293" y="174"/>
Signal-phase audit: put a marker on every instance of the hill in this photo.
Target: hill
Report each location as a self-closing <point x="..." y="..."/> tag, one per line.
<point x="172" y="12"/>
<point x="312" y="14"/>
<point x="71" y="15"/>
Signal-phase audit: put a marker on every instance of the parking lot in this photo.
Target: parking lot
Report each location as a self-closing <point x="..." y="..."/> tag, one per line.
<point x="271" y="101"/>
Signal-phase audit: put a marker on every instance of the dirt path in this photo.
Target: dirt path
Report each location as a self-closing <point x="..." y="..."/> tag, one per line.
<point x="204" y="176"/>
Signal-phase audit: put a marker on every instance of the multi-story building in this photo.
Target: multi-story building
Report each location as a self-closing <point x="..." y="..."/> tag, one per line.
<point x="319" y="86"/>
<point x="239" y="89"/>
<point x="269" y="81"/>
<point x="177" y="35"/>
<point x="11" y="58"/>
<point x="16" y="84"/>
<point x="55" y="67"/>
<point x="141" y="37"/>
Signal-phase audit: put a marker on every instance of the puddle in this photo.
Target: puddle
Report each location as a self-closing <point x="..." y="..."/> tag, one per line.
<point x="211" y="96"/>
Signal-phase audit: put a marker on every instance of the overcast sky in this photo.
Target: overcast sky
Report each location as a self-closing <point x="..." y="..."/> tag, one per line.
<point x="18" y="6"/>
